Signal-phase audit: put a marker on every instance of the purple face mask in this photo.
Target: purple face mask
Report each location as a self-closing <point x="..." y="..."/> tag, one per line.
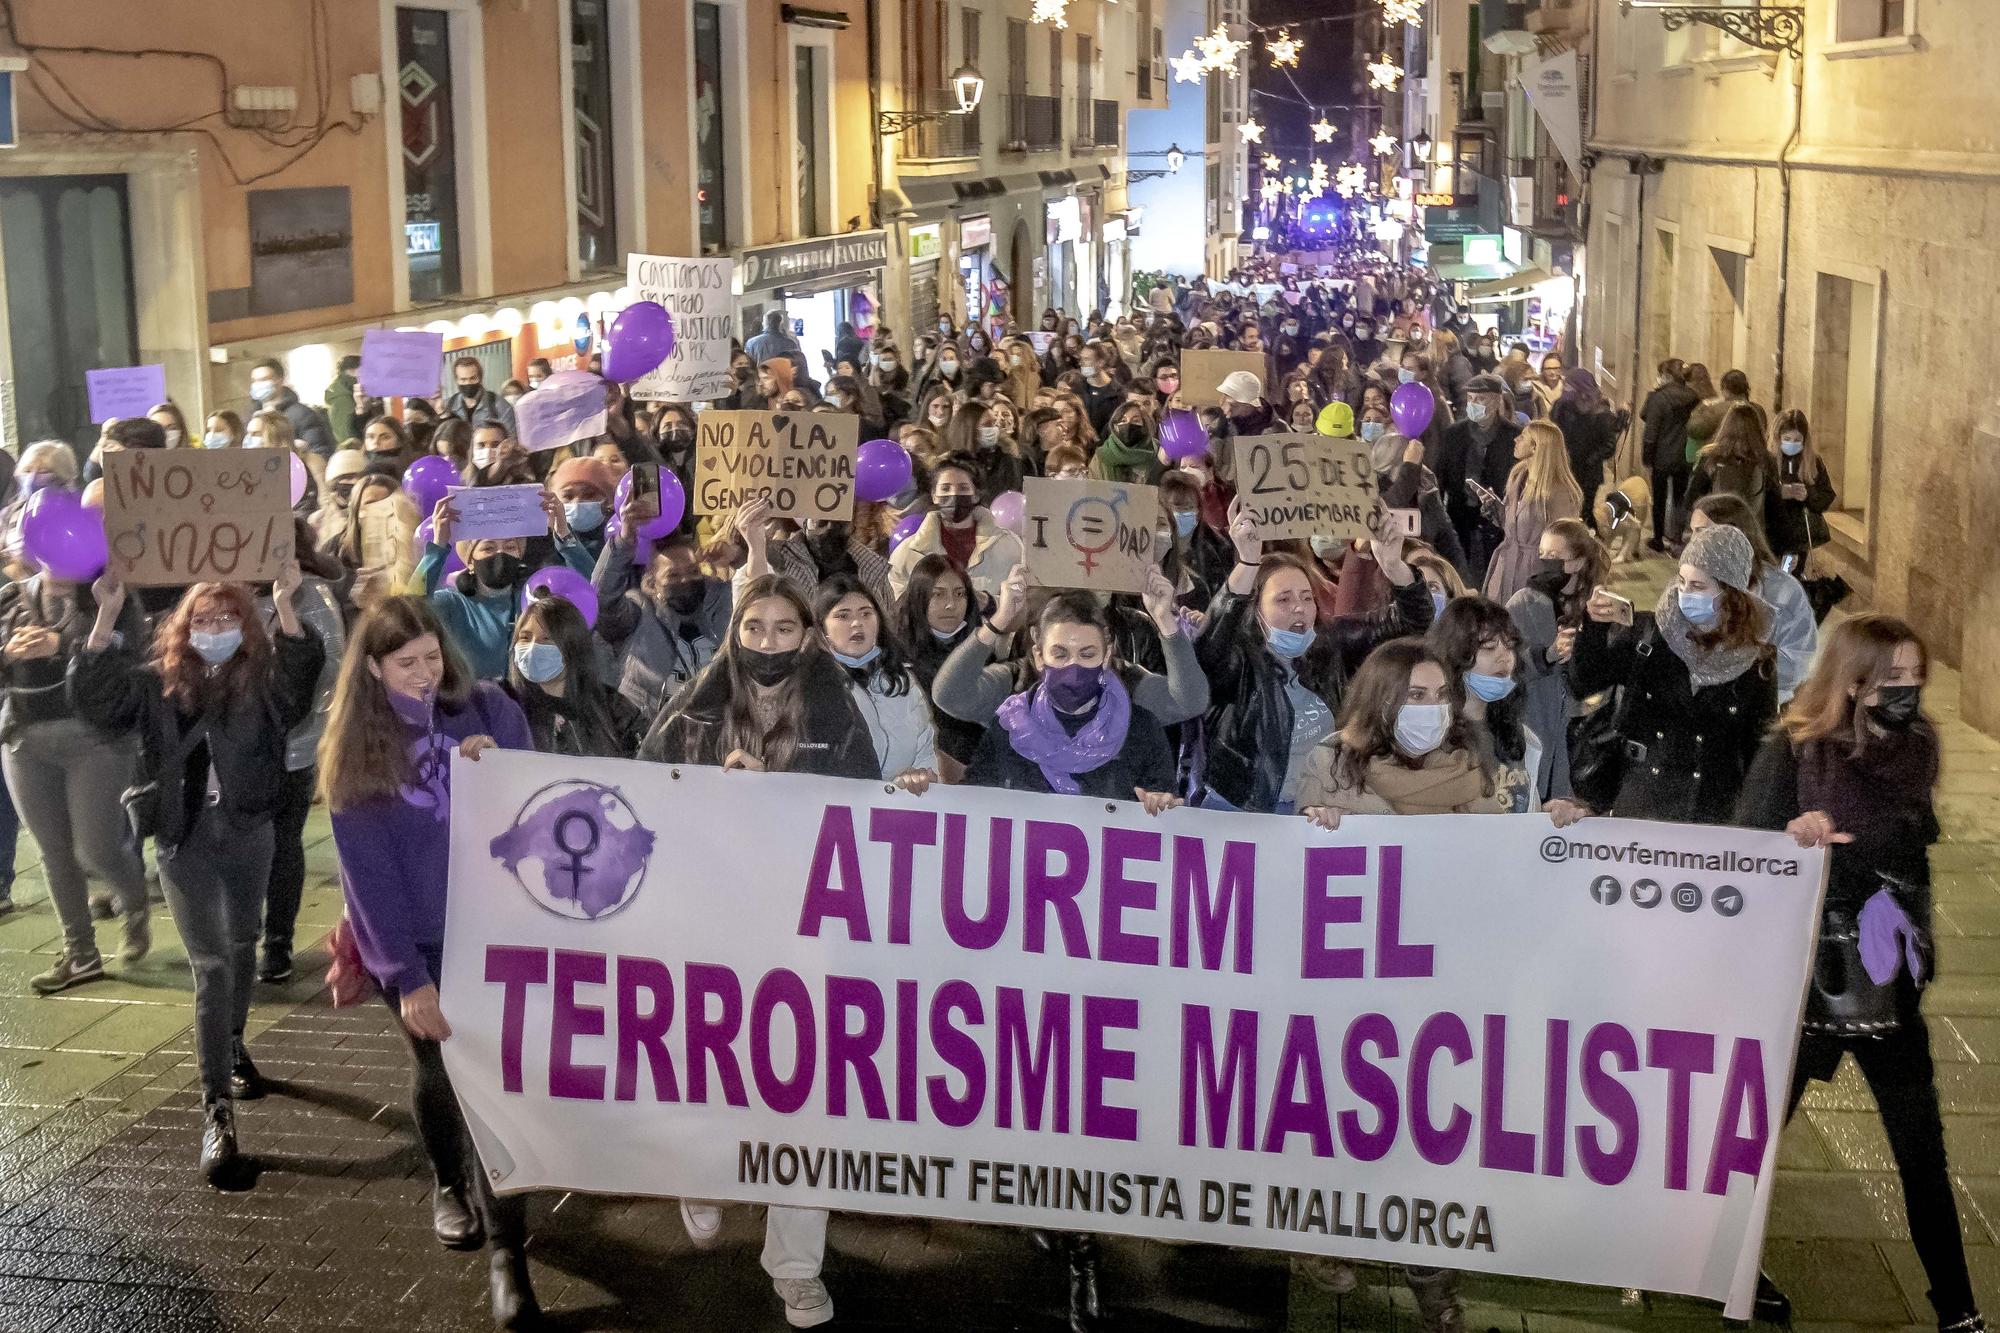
<point x="1073" y="688"/>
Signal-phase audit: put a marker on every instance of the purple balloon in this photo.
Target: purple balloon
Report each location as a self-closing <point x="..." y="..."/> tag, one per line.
<point x="639" y="339"/>
<point x="428" y="479"/>
<point x="882" y="468"/>
<point x="564" y="582"/>
<point x="299" y="478"/>
<point x="673" y="505"/>
<point x="905" y="529"/>
<point x="426" y="533"/>
<point x="1412" y="406"/>
<point x="1181" y="435"/>
<point x="1010" y="510"/>
<point x="63" y="536"/>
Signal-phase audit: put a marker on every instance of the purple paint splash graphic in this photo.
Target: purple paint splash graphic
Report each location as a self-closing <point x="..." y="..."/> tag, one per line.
<point x="585" y="857"/>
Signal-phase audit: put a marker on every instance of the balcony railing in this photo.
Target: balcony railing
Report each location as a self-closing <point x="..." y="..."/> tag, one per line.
<point x="951" y="136"/>
<point x="1034" y="123"/>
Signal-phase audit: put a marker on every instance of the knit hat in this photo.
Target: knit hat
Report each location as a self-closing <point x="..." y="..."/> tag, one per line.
<point x="1722" y="553"/>
<point x="1486" y="384"/>
<point x="590" y="471"/>
<point x="1240" y="386"/>
<point x="1335" y="419"/>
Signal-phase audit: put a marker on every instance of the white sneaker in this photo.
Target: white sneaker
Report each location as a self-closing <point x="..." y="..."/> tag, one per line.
<point x="806" y="1300"/>
<point x="703" y="1222"/>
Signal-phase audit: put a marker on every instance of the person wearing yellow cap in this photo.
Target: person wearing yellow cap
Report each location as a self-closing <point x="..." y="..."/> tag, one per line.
<point x="1336" y="419"/>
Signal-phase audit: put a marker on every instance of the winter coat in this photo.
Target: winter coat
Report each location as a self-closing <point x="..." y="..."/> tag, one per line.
<point x="1665" y="421"/>
<point x="1796" y="527"/>
<point x="1548" y="701"/>
<point x="995" y="552"/>
<point x="1591" y="438"/>
<point x="1145" y="762"/>
<point x="1519" y="553"/>
<point x="833" y="738"/>
<point x="1455" y="465"/>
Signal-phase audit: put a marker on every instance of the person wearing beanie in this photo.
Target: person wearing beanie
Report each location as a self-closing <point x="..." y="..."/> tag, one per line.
<point x="585" y="487"/>
<point x="1699" y="689"/>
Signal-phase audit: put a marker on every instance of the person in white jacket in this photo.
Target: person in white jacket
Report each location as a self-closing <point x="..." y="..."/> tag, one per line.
<point x="1794" y="631"/>
<point x="962" y="530"/>
<point x="885" y="690"/>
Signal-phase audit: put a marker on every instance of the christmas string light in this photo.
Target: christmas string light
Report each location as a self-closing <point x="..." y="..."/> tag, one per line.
<point x="1323" y="131"/>
<point x="1350" y="179"/>
<point x="1284" y="49"/>
<point x="1403" y="11"/>
<point x="1384" y="144"/>
<point x="1050" y="11"/>
<point x="1269" y="162"/>
<point x="1251" y="131"/>
<point x="1187" y="67"/>
<point x="1219" y="50"/>
<point x="1384" y="73"/>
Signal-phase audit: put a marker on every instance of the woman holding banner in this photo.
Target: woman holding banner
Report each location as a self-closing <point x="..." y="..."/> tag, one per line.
<point x="772" y="700"/>
<point x="553" y="675"/>
<point x="404" y="703"/>
<point x="1853" y="767"/>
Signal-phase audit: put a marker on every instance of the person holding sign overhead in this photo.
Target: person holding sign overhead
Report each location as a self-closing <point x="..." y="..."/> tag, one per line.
<point x="479" y="606"/>
<point x="212" y="707"/>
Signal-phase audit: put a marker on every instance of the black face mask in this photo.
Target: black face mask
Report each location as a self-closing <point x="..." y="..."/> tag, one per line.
<point x="498" y="571"/>
<point x="678" y="436"/>
<point x="955" y="508"/>
<point x="1551" y="579"/>
<point x="683" y="598"/>
<point x="1131" y="433"/>
<point x="470" y="392"/>
<point x="1899" y="707"/>
<point x="768" y="668"/>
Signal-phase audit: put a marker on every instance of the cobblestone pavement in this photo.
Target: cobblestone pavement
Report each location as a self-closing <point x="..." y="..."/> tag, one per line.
<point x="104" y="1224"/>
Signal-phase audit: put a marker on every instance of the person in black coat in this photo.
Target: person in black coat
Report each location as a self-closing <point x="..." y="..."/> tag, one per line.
<point x="1590" y="432"/>
<point x="1276" y="672"/>
<point x="1800" y="493"/>
<point x="1853" y="769"/>
<point x="1698" y="689"/>
<point x="1478" y="449"/>
<point x="1665" y="419"/>
<point x="552" y="673"/>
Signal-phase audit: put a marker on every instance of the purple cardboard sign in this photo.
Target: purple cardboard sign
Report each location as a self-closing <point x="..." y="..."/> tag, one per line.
<point x="124" y="391"/>
<point x="568" y="407"/>
<point x="401" y="364"/>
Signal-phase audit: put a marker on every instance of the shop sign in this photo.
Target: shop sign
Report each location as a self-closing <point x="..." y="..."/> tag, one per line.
<point x="1483" y="249"/>
<point x="1449" y="224"/>
<point x="1513" y="244"/>
<point x="975" y="232"/>
<point x="804" y="261"/>
<point x="926" y="242"/>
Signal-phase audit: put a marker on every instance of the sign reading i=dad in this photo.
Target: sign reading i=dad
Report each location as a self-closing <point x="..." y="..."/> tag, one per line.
<point x="802" y="462"/>
<point x="1100" y="535"/>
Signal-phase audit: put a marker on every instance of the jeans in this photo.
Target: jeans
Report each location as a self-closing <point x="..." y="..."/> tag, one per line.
<point x="65" y="777"/>
<point x="288" y="858"/>
<point x="1670" y="486"/>
<point x="1898" y="1068"/>
<point x="10" y="835"/>
<point x="215" y="885"/>
<point x="453" y="1155"/>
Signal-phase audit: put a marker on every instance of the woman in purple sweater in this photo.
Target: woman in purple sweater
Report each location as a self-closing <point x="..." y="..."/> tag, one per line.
<point x="404" y="701"/>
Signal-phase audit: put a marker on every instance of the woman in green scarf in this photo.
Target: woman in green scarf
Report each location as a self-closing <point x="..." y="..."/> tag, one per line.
<point x="1130" y="450"/>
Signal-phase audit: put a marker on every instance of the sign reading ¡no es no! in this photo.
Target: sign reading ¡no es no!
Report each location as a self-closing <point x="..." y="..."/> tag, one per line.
<point x="177" y="516"/>
<point x="802" y="462"/>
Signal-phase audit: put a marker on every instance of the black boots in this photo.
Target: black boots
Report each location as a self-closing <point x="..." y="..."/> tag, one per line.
<point x="513" y="1297"/>
<point x="219" y="1160"/>
<point x="245" y="1083"/>
<point x="1085" y="1309"/>
<point x="453" y="1220"/>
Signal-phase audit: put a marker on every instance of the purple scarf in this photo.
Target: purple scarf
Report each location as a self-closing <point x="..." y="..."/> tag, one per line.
<point x="1038" y="736"/>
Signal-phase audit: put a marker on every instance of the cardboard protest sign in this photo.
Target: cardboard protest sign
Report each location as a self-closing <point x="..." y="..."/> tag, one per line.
<point x="124" y="391"/>
<point x="497" y="511"/>
<point x="1305" y="485"/>
<point x="696" y="293"/>
<point x="568" y="407"/>
<point x="1100" y="535"/>
<point x="802" y="462"/>
<point x="398" y="363"/>
<point x="176" y="516"/>
<point x="1041" y="341"/>
<point x="1203" y="369"/>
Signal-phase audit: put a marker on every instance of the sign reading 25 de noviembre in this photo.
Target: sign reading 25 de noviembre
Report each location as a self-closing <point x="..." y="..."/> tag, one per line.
<point x="1437" y="1041"/>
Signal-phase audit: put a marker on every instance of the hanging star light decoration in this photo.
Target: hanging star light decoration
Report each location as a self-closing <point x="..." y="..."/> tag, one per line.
<point x="1350" y="179"/>
<point x="1050" y="11"/>
<point x="1251" y="131"/>
<point x="1384" y="144"/>
<point x="1269" y="161"/>
<point x="1219" y="50"/>
<point x="1187" y="67"/>
<point x="1323" y="131"/>
<point x="1269" y="189"/>
<point x="1403" y="11"/>
<point x="1319" y="176"/>
<point x="1284" y="49"/>
<point x="1384" y="73"/>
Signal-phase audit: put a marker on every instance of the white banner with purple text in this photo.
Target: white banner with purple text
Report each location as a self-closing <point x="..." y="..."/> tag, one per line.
<point x="1468" y="1041"/>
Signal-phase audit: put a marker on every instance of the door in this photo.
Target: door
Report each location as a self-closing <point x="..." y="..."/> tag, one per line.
<point x="67" y="247"/>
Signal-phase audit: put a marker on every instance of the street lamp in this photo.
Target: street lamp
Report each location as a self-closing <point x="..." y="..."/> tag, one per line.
<point x="967" y="87"/>
<point x="1420" y="146"/>
<point x="1174" y="157"/>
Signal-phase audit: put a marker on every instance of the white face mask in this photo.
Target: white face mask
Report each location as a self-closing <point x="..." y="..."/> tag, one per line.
<point x="216" y="439"/>
<point x="1420" y="728"/>
<point x="485" y="457"/>
<point x="174" y="437"/>
<point x="1475" y="412"/>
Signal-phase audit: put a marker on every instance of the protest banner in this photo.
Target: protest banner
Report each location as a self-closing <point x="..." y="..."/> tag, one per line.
<point x="497" y="511"/>
<point x="802" y="462"/>
<point x="1304" y="485"/>
<point x="1202" y="369"/>
<point x="176" y="516"/>
<point x="401" y="363"/>
<point x="124" y="391"/>
<point x="1468" y="1041"/>
<point x="1100" y="535"/>
<point x="696" y="293"/>
<point x="568" y="407"/>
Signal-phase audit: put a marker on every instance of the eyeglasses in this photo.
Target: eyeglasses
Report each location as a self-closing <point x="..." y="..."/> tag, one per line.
<point x="215" y="624"/>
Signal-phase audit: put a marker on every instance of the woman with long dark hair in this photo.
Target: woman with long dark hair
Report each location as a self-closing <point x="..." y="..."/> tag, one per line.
<point x="773" y="700"/>
<point x="1801" y="493"/>
<point x="883" y="685"/>
<point x="1853" y="767"/>
<point x="1736" y="462"/>
<point x="1590" y="431"/>
<point x="212" y="707"/>
<point x="552" y="674"/>
<point x="404" y="703"/>
<point x="938" y="611"/>
<point x="1548" y="612"/>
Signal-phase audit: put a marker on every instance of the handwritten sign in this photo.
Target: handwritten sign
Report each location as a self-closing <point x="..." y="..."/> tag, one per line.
<point x="1305" y="485"/>
<point x="696" y="293"/>
<point x="802" y="462"/>
<point x="568" y="407"/>
<point x="124" y="391"/>
<point x="497" y="511"/>
<point x="401" y="364"/>
<point x="1202" y="370"/>
<point x="178" y="516"/>
<point x="1100" y="535"/>
<point x="1041" y="341"/>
